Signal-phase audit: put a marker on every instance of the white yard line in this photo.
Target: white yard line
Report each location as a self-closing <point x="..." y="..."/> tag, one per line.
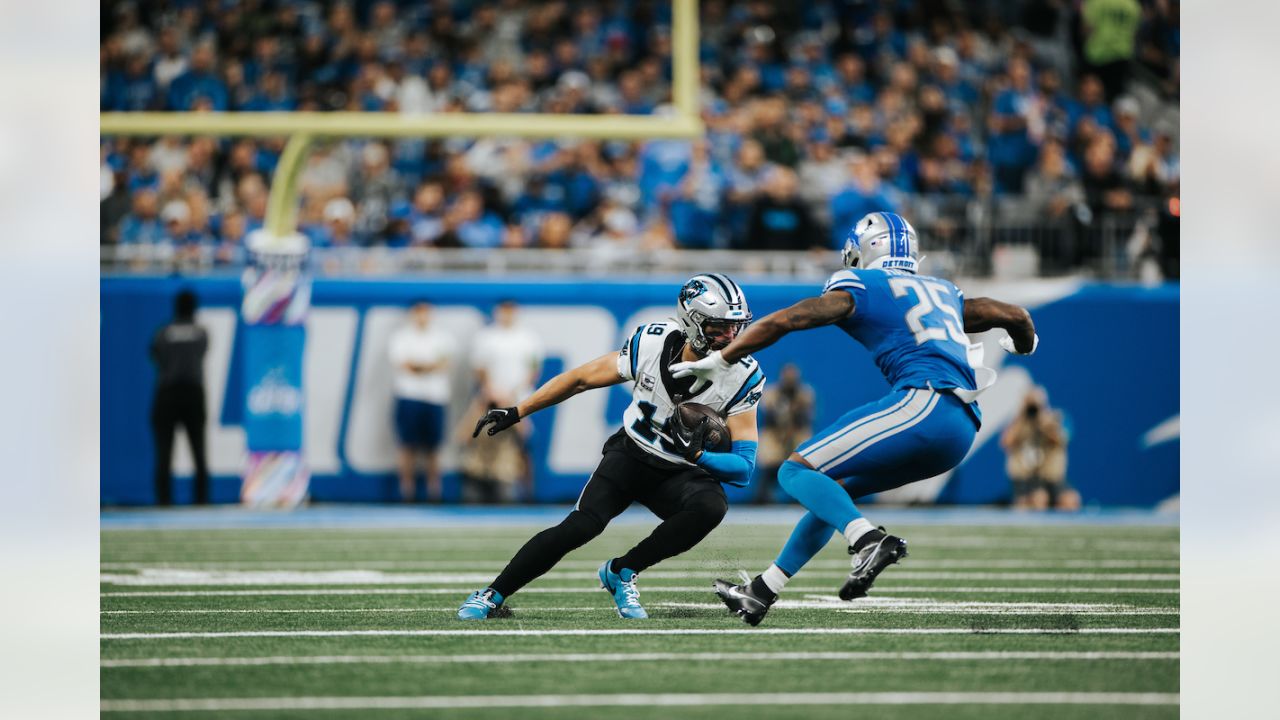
<point x="879" y="604"/>
<point x="639" y="700"/>
<point x="465" y="566"/>
<point x="637" y="631"/>
<point x="998" y="656"/>
<point x="336" y="543"/>
<point x="941" y="589"/>
<point x="180" y="576"/>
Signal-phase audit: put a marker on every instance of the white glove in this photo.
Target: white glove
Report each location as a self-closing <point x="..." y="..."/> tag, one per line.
<point x="1006" y="342"/>
<point x="704" y="370"/>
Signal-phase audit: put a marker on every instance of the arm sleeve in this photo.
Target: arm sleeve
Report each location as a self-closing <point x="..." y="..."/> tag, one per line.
<point x="734" y="467"/>
<point x="629" y="355"/>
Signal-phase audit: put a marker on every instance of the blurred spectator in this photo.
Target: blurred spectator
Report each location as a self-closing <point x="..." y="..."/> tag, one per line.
<point x="421" y="357"/>
<point x="251" y="193"/>
<point x="507" y="358"/>
<point x="379" y="186"/>
<point x="865" y="193"/>
<point x="820" y="176"/>
<point x="142" y="226"/>
<point x="115" y="202"/>
<point x="1052" y="187"/>
<point x="1056" y="198"/>
<point x="188" y="242"/>
<point x="339" y="228"/>
<point x="1110" y="27"/>
<point x="467" y="223"/>
<point x="788" y="420"/>
<point x="554" y="231"/>
<point x="1017" y="127"/>
<point x="777" y="138"/>
<point x="200" y="82"/>
<point x="696" y="206"/>
<point x="426" y="216"/>
<point x="134" y="89"/>
<point x="178" y="351"/>
<point x="1105" y="187"/>
<point x="230" y="249"/>
<point x="170" y="61"/>
<point x="779" y="219"/>
<point x="746" y="181"/>
<point x="1035" y="446"/>
<point x="1128" y="133"/>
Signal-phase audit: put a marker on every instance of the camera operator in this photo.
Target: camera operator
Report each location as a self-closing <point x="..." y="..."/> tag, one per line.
<point x="1035" y="445"/>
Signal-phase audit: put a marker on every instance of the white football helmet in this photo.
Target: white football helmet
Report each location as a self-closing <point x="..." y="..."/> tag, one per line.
<point x="882" y="240"/>
<point x="711" y="310"/>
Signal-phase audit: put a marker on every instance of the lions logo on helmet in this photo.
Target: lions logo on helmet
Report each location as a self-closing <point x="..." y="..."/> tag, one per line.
<point x="882" y="240"/>
<point x="711" y="311"/>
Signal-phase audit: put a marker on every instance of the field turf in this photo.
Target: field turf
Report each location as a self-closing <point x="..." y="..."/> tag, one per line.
<point x="981" y="621"/>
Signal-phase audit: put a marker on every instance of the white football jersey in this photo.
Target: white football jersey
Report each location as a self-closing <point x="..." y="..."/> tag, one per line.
<point x="645" y="359"/>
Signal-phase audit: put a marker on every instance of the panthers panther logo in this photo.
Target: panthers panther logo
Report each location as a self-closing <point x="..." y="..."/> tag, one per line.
<point x="691" y="290"/>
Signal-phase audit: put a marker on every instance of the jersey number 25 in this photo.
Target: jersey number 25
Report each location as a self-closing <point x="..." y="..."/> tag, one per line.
<point x="932" y="317"/>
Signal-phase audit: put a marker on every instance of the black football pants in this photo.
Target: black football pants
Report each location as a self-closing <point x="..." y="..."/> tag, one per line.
<point x="176" y="405"/>
<point x="690" y="503"/>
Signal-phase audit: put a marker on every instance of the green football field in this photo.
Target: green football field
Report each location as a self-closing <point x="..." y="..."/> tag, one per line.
<point x="981" y="621"/>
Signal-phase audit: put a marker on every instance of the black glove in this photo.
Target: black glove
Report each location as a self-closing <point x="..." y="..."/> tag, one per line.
<point x="501" y="418"/>
<point x="689" y="442"/>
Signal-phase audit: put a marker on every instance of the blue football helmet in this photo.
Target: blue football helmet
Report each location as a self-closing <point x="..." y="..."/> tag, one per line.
<point x="882" y="240"/>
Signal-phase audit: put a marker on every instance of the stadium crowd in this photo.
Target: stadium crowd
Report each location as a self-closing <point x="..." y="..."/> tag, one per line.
<point x="1043" y="112"/>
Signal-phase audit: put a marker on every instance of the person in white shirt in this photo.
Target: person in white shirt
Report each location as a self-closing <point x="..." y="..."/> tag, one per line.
<point x="507" y="358"/>
<point x="421" y="354"/>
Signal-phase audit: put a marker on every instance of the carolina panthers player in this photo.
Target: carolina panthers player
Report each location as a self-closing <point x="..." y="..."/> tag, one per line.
<point x="653" y="460"/>
<point x="915" y="328"/>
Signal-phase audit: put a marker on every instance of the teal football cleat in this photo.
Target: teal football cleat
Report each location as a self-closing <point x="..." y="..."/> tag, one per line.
<point x="481" y="605"/>
<point x="622" y="585"/>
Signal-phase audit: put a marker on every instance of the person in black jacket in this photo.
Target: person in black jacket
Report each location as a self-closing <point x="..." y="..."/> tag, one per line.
<point x="779" y="219"/>
<point x="178" y="351"/>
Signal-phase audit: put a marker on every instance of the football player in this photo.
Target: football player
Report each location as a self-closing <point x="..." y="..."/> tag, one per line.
<point x="914" y="326"/>
<point x="654" y="459"/>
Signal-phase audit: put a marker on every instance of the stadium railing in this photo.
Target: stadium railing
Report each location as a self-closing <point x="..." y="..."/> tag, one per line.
<point x="1110" y="247"/>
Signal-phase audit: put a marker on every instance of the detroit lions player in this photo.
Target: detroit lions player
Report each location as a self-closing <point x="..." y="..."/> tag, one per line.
<point x="915" y="328"/>
<point x="653" y="460"/>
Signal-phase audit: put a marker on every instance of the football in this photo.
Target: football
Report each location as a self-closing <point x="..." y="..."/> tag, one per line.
<point x="718" y="438"/>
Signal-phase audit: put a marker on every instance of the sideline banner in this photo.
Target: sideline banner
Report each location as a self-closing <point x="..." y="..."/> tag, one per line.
<point x="1108" y="359"/>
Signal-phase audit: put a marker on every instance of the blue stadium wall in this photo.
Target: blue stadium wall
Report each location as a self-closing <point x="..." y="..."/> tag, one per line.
<point x="1109" y="361"/>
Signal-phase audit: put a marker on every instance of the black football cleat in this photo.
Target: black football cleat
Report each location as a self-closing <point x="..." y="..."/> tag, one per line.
<point x="743" y="602"/>
<point x="869" y="561"/>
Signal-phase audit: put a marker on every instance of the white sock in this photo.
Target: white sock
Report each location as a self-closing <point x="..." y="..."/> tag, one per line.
<point x="857" y="529"/>
<point x="774" y="578"/>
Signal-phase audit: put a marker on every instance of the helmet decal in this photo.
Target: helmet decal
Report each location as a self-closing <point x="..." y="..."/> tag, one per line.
<point x="692" y="289"/>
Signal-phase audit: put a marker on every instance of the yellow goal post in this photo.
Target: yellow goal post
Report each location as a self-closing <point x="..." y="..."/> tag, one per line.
<point x="304" y="128"/>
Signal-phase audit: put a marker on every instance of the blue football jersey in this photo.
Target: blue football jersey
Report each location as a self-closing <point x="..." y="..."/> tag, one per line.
<point x="912" y="324"/>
